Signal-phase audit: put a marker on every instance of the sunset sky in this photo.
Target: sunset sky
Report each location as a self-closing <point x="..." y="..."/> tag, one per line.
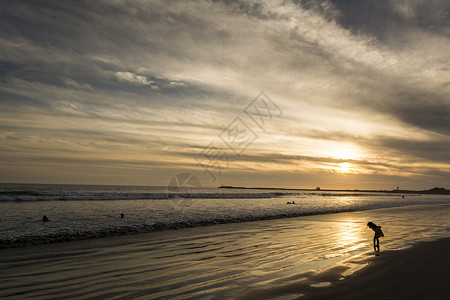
<point x="356" y="94"/>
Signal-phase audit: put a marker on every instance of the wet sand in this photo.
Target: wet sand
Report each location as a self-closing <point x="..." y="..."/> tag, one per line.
<point x="421" y="272"/>
<point x="276" y="259"/>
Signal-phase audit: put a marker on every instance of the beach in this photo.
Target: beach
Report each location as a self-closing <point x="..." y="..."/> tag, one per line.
<point x="305" y="257"/>
<point x="421" y="272"/>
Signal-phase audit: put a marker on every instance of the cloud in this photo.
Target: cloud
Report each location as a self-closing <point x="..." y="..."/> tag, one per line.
<point x="388" y="20"/>
<point x="133" y="78"/>
<point x="144" y="80"/>
<point x="373" y="74"/>
<point x="72" y="83"/>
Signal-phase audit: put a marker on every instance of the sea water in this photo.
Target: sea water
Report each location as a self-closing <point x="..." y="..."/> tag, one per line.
<point x="89" y="211"/>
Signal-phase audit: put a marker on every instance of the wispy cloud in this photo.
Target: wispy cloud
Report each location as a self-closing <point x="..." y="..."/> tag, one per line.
<point x="133" y="78"/>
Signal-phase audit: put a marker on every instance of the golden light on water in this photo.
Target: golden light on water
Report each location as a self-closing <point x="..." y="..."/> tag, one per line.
<point x="351" y="234"/>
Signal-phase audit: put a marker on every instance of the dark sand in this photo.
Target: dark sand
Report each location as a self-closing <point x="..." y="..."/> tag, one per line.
<point x="420" y="272"/>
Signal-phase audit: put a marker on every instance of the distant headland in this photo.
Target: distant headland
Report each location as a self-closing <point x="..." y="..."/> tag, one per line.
<point x="433" y="191"/>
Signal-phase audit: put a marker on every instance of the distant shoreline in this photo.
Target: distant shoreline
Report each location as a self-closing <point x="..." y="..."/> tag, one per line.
<point x="433" y="191"/>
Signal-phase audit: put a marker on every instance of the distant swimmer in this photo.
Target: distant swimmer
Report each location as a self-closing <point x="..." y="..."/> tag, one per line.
<point x="45" y="219"/>
<point x="378" y="234"/>
<point x="122" y="215"/>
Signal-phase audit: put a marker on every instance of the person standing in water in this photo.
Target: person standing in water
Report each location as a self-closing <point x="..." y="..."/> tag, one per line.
<point x="378" y="234"/>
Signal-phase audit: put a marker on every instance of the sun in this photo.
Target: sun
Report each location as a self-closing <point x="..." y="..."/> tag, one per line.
<point x="344" y="157"/>
<point x="344" y="168"/>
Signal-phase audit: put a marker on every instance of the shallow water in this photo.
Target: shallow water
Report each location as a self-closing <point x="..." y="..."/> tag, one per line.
<point x="216" y="262"/>
<point x="82" y="212"/>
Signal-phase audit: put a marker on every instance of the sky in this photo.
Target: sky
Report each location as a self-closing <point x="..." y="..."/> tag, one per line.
<point x="338" y="94"/>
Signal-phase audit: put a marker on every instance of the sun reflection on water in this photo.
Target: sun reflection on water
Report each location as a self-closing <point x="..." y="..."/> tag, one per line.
<point x="350" y="235"/>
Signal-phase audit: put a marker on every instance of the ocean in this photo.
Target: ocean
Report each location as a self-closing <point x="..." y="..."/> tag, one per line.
<point x="78" y="212"/>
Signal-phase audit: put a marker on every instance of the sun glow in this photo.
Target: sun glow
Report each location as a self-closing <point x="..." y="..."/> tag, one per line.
<point x="344" y="168"/>
<point x="345" y="153"/>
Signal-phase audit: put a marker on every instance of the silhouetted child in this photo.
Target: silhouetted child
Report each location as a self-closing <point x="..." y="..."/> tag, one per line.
<point x="378" y="234"/>
<point x="122" y="215"/>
